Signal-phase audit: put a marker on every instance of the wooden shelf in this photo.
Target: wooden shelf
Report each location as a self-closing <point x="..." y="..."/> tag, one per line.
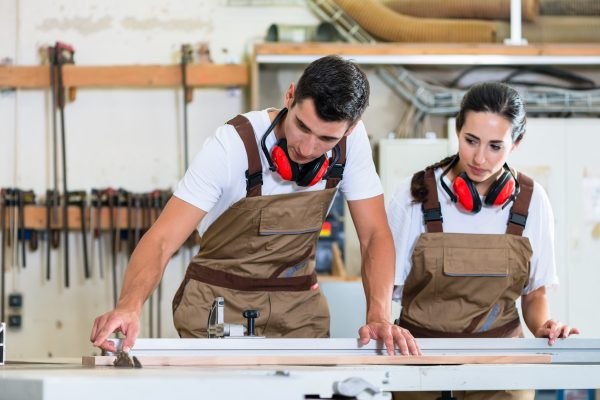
<point x="379" y="49"/>
<point x="149" y="76"/>
<point x="437" y="54"/>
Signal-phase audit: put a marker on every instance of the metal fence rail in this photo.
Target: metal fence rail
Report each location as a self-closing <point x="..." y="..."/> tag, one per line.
<point x="569" y="351"/>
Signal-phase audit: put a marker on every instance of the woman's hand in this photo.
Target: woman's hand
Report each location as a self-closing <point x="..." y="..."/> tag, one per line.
<point x="535" y="310"/>
<point x="553" y="330"/>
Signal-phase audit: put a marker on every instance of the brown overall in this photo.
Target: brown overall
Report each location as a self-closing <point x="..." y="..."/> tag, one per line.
<point x="260" y="254"/>
<point x="466" y="285"/>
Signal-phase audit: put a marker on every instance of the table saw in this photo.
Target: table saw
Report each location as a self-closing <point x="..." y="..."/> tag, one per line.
<point x="182" y="368"/>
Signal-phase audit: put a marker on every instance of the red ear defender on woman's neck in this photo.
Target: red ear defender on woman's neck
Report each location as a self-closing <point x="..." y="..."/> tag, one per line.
<point x="504" y="190"/>
<point x="466" y="193"/>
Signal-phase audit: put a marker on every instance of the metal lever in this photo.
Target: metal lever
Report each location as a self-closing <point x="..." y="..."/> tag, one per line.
<point x="250" y="315"/>
<point x="354" y="386"/>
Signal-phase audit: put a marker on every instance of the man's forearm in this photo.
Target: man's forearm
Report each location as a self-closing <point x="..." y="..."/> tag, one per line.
<point x="378" y="277"/>
<point x="144" y="272"/>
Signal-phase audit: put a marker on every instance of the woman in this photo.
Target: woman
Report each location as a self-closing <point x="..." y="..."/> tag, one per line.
<point x="473" y="235"/>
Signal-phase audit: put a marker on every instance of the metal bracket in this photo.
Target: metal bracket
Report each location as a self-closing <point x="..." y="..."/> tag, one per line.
<point x="5" y="90"/>
<point x="516" y="25"/>
<point x="216" y="326"/>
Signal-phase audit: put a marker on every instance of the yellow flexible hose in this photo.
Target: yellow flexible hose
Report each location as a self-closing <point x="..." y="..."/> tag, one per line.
<point x="476" y="9"/>
<point x="388" y="25"/>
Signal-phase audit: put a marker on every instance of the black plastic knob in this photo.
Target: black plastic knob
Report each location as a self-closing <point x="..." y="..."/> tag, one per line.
<point x="250" y="315"/>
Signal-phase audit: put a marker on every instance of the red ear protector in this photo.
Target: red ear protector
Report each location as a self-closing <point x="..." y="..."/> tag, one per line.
<point x="504" y="190"/>
<point x="280" y="161"/>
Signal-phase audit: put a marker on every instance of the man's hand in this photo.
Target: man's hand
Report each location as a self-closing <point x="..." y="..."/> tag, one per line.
<point x="127" y="322"/>
<point x="390" y="334"/>
<point x="553" y="330"/>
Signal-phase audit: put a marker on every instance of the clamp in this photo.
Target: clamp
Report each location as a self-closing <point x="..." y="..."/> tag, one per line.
<point x="122" y="360"/>
<point x="217" y="328"/>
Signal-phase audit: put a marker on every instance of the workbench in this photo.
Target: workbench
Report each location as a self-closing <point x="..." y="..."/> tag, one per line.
<point x="575" y="365"/>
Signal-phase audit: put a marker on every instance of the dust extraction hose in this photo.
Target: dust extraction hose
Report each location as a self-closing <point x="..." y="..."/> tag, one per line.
<point x="476" y="9"/>
<point x="388" y="25"/>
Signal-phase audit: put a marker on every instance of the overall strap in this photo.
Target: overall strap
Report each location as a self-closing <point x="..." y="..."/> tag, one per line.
<point x="520" y="209"/>
<point x="336" y="171"/>
<point x="254" y="179"/>
<point x="432" y="212"/>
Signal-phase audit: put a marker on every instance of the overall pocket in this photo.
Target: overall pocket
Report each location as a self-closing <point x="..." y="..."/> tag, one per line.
<point x="479" y="277"/>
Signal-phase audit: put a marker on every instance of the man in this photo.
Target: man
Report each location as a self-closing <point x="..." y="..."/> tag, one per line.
<point x="259" y="213"/>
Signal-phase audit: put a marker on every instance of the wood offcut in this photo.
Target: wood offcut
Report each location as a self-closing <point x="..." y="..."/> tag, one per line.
<point x="97" y="361"/>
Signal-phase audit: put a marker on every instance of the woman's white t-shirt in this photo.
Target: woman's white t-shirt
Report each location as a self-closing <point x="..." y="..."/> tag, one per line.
<point x="407" y="224"/>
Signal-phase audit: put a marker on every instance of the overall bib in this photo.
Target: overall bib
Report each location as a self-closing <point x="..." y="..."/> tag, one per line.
<point x="260" y="254"/>
<point x="466" y="285"/>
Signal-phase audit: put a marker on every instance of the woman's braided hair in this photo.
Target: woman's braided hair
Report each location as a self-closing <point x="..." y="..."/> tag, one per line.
<point x="418" y="189"/>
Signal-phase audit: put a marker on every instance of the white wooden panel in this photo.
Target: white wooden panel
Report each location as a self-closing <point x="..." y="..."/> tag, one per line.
<point x="582" y="245"/>
<point x="400" y="158"/>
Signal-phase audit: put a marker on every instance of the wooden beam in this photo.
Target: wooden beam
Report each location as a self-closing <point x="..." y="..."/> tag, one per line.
<point x="254" y="82"/>
<point x="95" y="361"/>
<point x="217" y="75"/>
<point x="151" y="76"/>
<point x="24" y="77"/>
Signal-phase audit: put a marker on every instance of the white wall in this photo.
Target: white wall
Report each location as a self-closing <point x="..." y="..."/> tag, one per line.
<point x="118" y="137"/>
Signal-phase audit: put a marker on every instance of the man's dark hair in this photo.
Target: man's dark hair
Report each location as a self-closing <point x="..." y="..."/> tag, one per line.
<point x="339" y="89"/>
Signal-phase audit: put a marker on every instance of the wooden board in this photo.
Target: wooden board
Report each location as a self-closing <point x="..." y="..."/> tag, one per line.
<point x="95" y="361"/>
<point x="150" y="76"/>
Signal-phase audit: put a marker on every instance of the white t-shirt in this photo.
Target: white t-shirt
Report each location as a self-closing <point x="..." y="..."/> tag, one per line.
<point x="216" y="177"/>
<point x="406" y="223"/>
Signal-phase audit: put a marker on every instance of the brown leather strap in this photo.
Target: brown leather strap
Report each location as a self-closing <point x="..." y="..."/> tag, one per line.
<point x="511" y="329"/>
<point x="338" y="168"/>
<point x="432" y="212"/>
<point x="520" y="209"/>
<point x="254" y="172"/>
<point x="224" y="279"/>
